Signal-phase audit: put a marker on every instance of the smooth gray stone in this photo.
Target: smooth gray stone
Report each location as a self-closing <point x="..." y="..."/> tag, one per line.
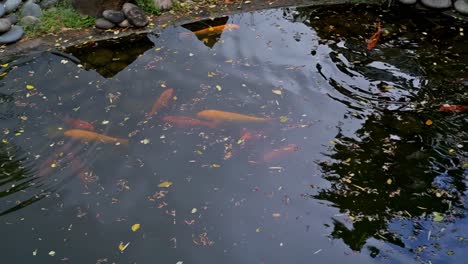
<point x="135" y="15"/>
<point x="408" y="2"/>
<point x="103" y="23"/>
<point x="127" y="6"/>
<point x="114" y="16"/>
<point x="437" y="3"/>
<point x="48" y="3"/>
<point x="125" y="24"/>
<point x="31" y="9"/>
<point x="15" y="33"/>
<point x="5" y="25"/>
<point x="163" y="4"/>
<point x="11" y="5"/>
<point x="30" y="21"/>
<point x="461" y="6"/>
<point x="13" y="18"/>
<point x="2" y="9"/>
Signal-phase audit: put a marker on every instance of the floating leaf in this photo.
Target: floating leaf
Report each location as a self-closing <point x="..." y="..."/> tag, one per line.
<point x="450" y="252"/>
<point x="145" y="141"/>
<point x="278" y="92"/>
<point x="29" y="87"/>
<point x="429" y="122"/>
<point x="135" y="227"/>
<point x="52" y="253"/>
<point x="35" y="252"/>
<point x="218" y="87"/>
<point x="215" y="165"/>
<point x="4" y="65"/>
<point x="438" y="217"/>
<point x="122" y="247"/>
<point x="284" y="119"/>
<point x="194" y="210"/>
<point x="451" y="150"/>
<point x="348" y="160"/>
<point x="180" y="262"/>
<point x="258" y="230"/>
<point x="389" y="181"/>
<point x="165" y="184"/>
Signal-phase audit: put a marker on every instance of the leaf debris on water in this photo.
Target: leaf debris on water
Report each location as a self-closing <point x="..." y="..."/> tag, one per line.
<point x="52" y="253"/>
<point x="165" y="184"/>
<point x="429" y="122"/>
<point x="135" y="227"/>
<point x="122" y="247"/>
<point x="278" y="92"/>
<point x="29" y="87"/>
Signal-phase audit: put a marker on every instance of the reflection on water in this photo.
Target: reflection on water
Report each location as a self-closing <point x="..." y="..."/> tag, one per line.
<point x="110" y="57"/>
<point x="321" y="150"/>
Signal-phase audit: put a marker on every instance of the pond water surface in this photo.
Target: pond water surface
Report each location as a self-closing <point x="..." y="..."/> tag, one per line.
<point x="352" y="159"/>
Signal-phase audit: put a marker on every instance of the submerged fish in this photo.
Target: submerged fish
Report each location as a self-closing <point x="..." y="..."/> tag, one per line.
<point x="375" y="38"/>
<point x="215" y="30"/>
<point x="78" y="123"/>
<point x="277" y="153"/>
<point x="222" y="116"/>
<point x="453" y="108"/>
<point x="184" y="121"/>
<point x="163" y="101"/>
<point x="92" y="136"/>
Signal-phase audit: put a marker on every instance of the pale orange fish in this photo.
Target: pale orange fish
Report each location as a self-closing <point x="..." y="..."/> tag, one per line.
<point x="92" y="136"/>
<point x="277" y="153"/>
<point x="453" y="108"/>
<point x="206" y="32"/>
<point x="375" y="38"/>
<point x="162" y="102"/>
<point x="222" y="116"/>
<point x="184" y="121"/>
<point x="78" y="123"/>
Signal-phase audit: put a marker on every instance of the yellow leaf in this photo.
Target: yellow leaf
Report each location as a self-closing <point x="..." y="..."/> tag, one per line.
<point x="165" y="184"/>
<point x="258" y="230"/>
<point x="194" y="210"/>
<point x="29" y="87"/>
<point x="451" y="150"/>
<point x="122" y="247"/>
<point x="218" y="87"/>
<point x="429" y="122"/>
<point x="348" y="160"/>
<point x="53" y="165"/>
<point x="352" y="218"/>
<point x="278" y="92"/>
<point x="215" y="165"/>
<point x="438" y="217"/>
<point x="135" y="227"/>
<point x="4" y="65"/>
<point x="284" y="119"/>
<point x="389" y="181"/>
<point x="229" y="61"/>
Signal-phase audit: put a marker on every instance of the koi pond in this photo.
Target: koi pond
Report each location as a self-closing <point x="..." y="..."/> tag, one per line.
<point x="294" y="135"/>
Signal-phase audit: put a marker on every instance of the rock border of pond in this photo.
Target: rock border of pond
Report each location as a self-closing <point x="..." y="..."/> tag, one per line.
<point x="72" y="37"/>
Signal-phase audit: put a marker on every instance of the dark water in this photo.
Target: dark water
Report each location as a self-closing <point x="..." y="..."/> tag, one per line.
<point x="366" y="179"/>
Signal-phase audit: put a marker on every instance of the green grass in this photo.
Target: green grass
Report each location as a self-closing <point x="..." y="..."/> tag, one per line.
<point x="61" y="16"/>
<point x="148" y="6"/>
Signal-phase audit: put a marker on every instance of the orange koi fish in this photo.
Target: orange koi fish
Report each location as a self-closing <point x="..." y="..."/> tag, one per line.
<point x="277" y="153"/>
<point x="249" y="135"/>
<point x="92" y="136"/>
<point x="453" y="108"/>
<point x="375" y="38"/>
<point x="162" y="102"/>
<point x="222" y="116"/>
<point x="77" y="123"/>
<point x="184" y="121"/>
<point x="215" y="30"/>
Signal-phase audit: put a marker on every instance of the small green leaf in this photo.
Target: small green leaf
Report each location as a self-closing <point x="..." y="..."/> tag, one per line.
<point x="438" y="217"/>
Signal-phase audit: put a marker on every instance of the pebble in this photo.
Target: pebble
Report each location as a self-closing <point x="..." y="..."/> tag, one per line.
<point x="408" y="2"/>
<point x="461" y="6"/>
<point x="437" y="3"/>
<point x="15" y="33"/>
<point x="11" y="5"/>
<point x="30" y="21"/>
<point x="114" y="16"/>
<point x="135" y="15"/>
<point x="5" y="25"/>
<point x="2" y="10"/>
<point x="47" y="3"/>
<point x="124" y="24"/>
<point x="31" y="9"/>
<point x="163" y="4"/>
<point x="12" y="18"/>
<point x="103" y="23"/>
